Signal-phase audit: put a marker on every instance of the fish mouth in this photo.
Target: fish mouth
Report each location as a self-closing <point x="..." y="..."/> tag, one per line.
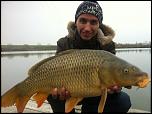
<point x="143" y="82"/>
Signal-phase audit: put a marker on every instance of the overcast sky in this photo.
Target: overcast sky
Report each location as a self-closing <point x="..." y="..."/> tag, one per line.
<point x="44" y="22"/>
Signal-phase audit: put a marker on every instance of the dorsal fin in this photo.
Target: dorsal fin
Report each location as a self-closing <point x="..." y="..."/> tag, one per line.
<point x="67" y="51"/>
<point x="33" y="68"/>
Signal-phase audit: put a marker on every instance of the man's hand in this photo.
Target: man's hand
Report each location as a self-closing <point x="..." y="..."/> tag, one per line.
<point x="62" y="93"/>
<point x="114" y="89"/>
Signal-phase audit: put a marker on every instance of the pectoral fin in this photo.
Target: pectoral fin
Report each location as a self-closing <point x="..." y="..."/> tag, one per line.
<point x="102" y="101"/>
<point x="71" y="103"/>
<point x="40" y="98"/>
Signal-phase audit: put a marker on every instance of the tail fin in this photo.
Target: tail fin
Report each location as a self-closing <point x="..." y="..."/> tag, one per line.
<point x="12" y="97"/>
<point x="9" y="98"/>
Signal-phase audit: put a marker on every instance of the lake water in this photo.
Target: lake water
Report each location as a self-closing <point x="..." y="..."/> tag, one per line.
<point x="15" y="65"/>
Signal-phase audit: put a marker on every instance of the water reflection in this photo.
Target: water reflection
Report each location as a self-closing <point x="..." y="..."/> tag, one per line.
<point x="133" y="50"/>
<point x="12" y="55"/>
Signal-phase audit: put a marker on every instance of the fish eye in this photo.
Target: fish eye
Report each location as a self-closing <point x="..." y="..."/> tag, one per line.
<point x="126" y="70"/>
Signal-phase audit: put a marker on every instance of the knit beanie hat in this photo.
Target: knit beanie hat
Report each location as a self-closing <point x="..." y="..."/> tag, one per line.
<point x="89" y="7"/>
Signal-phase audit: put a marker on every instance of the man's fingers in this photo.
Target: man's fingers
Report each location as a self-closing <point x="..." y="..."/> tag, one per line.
<point x="117" y="89"/>
<point x="62" y="93"/>
<point x="67" y="94"/>
<point x="54" y="93"/>
<point x="114" y="89"/>
<point x="110" y="91"/>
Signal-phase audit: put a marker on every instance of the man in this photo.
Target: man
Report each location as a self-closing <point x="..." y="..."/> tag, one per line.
<point x="88" y="32"/>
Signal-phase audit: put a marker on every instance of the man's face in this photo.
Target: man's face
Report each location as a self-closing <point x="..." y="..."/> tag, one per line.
<point x="87" y="26"/>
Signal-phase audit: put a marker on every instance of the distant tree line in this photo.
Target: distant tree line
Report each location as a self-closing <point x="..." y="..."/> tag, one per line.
<point x="27" y="47"/>
<point x="136" y="45"/>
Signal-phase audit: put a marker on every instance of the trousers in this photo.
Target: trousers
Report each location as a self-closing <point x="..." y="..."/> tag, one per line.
<point x="116" y="102"/>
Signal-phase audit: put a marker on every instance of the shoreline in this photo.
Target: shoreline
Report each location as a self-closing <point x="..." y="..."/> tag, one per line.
<point x="7" y="48"/>
<point x="31" y="107"/>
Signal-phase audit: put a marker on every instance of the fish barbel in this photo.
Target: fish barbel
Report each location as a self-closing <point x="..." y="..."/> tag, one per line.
<point x="84" y="73"/>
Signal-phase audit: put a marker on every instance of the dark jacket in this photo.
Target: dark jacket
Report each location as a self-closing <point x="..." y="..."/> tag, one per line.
<point x="102" y="41"/>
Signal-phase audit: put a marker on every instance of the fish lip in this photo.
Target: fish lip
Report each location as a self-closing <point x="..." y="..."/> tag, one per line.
<point x="142" y="82"/>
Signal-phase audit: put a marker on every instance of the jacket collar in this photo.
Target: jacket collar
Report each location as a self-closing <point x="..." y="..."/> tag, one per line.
<point x="104" y="36"/>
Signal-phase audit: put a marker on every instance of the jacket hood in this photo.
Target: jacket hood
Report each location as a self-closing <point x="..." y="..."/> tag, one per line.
<point x="105" y="35"/>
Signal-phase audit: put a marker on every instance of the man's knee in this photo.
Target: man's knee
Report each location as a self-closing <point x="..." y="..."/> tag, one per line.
<point x="118" y="103"/>
<point x="126" y="103"/>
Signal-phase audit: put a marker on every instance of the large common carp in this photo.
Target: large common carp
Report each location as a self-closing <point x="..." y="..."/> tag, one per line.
<point x="84" y="73"/>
